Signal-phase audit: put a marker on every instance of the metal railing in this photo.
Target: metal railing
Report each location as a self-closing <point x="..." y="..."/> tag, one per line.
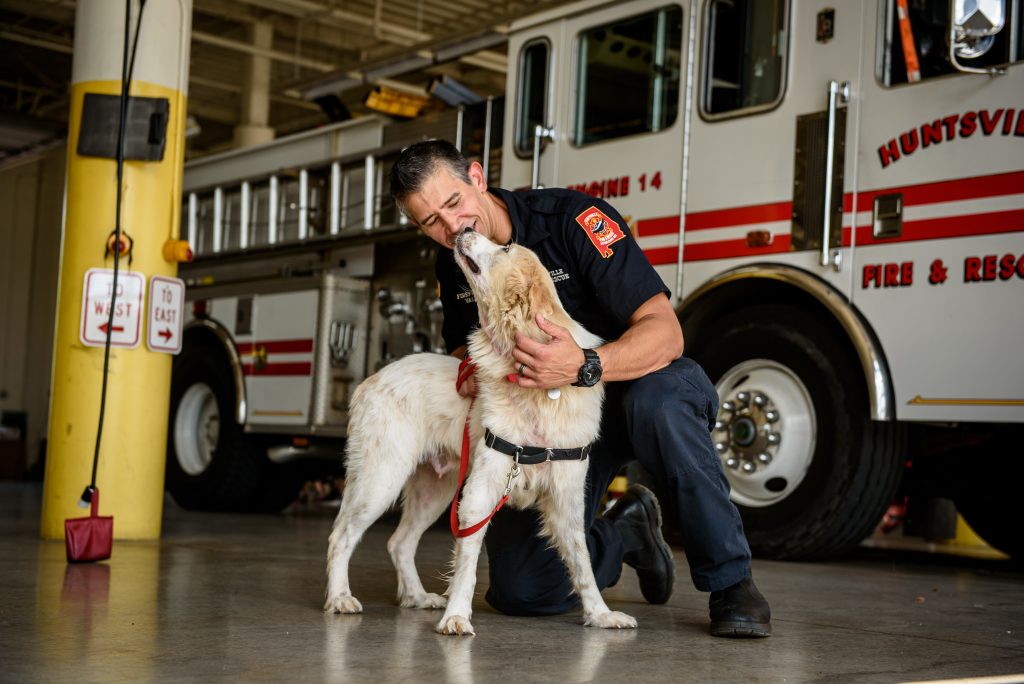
<point x="340" y="198"/>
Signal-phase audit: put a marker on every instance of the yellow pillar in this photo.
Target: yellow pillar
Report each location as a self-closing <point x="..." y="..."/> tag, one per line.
<point x="132" y="453"/>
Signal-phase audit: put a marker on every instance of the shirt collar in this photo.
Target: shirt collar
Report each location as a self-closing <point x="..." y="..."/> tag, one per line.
<point x="527" y="230"/>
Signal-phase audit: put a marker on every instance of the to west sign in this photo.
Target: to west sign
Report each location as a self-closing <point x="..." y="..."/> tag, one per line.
<point x="127" y="325"/>
<point x="166" y="309"/>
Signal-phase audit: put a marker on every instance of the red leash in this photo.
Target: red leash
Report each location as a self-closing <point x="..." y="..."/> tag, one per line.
<point x="466" y="369"/>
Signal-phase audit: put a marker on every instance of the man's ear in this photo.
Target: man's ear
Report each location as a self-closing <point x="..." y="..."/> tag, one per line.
<point x="476" y="176"/>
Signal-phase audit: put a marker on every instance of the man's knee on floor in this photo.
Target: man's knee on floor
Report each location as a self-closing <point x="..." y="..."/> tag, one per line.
<point x="513" y="596"/>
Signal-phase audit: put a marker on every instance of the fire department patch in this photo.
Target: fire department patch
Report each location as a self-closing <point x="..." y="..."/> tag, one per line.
<point x="601" y="230"/>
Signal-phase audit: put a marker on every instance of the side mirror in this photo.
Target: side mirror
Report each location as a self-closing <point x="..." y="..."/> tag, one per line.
<point x="973" y="28"/>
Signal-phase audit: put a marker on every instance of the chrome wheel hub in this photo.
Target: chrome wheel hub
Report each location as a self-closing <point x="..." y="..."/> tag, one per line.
<point x="196" y="429"/>
<point x="764" y="431"/>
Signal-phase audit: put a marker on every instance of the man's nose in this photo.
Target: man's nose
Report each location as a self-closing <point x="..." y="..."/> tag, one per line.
<point x="453" y="224"/>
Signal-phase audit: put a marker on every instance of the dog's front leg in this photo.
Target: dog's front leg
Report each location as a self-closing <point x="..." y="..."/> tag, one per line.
<point x="563" y="524"/>
<point x="483" y="489"/>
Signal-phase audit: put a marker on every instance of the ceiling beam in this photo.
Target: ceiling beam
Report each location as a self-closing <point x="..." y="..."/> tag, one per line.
<point x="236" y="88"/>
<point x="278" y="55"/>
<point x="42" y="41"/>
<point x="309" y="9"/>
<point x="212" y="112"/>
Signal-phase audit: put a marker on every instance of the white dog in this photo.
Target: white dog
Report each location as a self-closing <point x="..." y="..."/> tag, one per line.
<point x="406" y="432"/>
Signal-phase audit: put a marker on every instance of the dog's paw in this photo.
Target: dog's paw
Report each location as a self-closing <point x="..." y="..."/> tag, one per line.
<point x="613" y="619"/>
<point x="424" y="601"/>
<point x="454" y="624"/>
<point x="343" y="604"/>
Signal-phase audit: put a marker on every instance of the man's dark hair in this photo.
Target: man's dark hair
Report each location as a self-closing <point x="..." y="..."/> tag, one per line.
<point x="418" y="161"/>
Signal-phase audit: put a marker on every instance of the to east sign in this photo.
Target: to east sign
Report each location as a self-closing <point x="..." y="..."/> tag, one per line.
<point x="166" y="309"/>
<point x="126" y="328"/>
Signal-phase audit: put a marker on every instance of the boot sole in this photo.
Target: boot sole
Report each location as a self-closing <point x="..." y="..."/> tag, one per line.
<point x="741" y="630"/>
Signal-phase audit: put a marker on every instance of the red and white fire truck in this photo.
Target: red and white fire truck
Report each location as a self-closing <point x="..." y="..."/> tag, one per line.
<point x="834" y="195"/>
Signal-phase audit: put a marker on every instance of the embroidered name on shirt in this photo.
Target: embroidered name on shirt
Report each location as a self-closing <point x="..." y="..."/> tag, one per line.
<point x="558" y="275"/>
<point x="601" y="229"/>
<point x="468" y="296"/>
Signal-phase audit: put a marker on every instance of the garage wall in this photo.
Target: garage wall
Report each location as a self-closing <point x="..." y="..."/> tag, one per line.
<point x="31" y="209"/>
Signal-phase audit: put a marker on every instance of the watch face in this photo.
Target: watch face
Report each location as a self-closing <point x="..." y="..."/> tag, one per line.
<point x="590" y="374"/>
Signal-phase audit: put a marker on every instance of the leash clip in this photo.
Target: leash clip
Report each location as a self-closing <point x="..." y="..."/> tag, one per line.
<point x="514" y="472"/>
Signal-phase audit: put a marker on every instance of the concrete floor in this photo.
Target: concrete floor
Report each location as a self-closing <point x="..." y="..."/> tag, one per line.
<point x="238" y="598"/>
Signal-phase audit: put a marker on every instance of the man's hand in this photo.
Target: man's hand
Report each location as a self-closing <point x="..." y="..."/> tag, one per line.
<point x="547" y="364"/>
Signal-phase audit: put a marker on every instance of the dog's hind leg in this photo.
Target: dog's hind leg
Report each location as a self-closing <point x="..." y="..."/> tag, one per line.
<point x="370" y="490"/>
<point x="562" y="512"/>
<point x="426" y="494"/>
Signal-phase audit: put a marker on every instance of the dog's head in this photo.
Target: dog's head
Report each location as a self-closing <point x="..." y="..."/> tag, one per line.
<point x="511" y="287"/>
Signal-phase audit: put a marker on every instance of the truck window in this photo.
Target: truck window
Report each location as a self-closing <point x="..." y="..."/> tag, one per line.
<point x="921" y="38"/>
<point x="744" y="56"/>
<point x="533" y="93"/>
<point x="628" y="78"/>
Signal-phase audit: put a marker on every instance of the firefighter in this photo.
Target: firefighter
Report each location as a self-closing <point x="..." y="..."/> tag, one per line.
<point x="659" y="408"/>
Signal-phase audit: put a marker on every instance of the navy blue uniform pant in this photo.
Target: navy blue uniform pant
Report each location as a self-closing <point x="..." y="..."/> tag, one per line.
<point x="664" y="421"/>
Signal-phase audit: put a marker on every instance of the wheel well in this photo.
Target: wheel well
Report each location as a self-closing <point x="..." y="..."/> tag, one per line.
<point x="731" y="294"/>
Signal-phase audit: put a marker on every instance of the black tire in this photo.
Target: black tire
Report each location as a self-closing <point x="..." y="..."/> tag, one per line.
<point x="211" y="465"/>
<point x="824" y="488"/>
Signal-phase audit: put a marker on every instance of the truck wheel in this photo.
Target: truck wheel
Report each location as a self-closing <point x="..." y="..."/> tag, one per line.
<point x="209" y="464"/>
<point x="810" y="472"/>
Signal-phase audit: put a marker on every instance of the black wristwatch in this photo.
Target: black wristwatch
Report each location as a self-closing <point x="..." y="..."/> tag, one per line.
<point x="590" y="372"/>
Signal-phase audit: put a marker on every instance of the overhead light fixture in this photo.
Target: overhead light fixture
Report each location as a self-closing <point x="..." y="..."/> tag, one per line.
<point x="395" y="103"/>
<point x="452" y="93"/>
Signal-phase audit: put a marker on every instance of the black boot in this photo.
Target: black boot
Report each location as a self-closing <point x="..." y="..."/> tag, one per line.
<point x="637" y="517"/>
<point x="740" y="611"/>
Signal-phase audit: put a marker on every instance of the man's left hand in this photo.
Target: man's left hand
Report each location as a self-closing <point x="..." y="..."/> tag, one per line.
<point x="547" y="364"/>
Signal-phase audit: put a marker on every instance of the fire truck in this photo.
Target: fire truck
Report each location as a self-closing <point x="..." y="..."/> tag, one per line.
<point x="833" y="194"/>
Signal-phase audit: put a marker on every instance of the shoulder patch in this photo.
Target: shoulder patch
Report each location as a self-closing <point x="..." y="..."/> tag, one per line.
<point x="601" y="229"/>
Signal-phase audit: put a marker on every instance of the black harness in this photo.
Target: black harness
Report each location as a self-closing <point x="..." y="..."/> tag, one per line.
<point x="534" y="455"/>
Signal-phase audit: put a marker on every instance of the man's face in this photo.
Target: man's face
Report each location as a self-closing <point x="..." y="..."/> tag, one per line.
<point x="445" y="205"/>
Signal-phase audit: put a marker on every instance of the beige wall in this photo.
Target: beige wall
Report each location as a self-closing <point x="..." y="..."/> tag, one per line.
<point x="31" y="208"/>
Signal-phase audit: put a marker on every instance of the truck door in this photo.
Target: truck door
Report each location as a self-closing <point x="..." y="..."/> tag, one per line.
<point x="939" y="216"/>
<point x="768" y="142"/>
<point x="607" y="87"/>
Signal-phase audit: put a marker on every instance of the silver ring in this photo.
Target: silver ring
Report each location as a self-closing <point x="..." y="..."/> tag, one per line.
<point x="522" y="366"/>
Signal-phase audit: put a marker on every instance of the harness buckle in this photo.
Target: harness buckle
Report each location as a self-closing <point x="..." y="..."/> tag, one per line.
<point x="549" y="453"/>
<point x="584" y="452"/>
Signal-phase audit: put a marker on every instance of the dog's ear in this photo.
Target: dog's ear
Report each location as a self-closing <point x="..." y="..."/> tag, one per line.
<point x="513" y="307"/>
<point x="540" y="294"/>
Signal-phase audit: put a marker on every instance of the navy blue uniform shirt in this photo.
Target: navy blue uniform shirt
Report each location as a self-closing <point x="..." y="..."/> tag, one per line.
<point x="600" y="272"/>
